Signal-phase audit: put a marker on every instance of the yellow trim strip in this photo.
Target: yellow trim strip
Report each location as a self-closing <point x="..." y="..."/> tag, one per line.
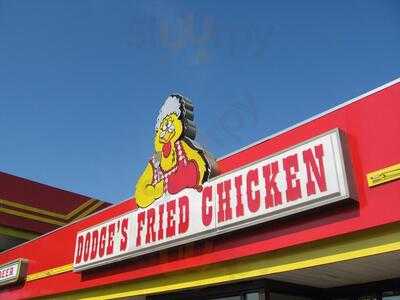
<point x="21" y="234"/>
<point x="47" y="212"/>
<point x="358" y="245"/>
<point x="229" y="273"/>
<point x="30" y="216"/>
<point x="89" y="210"/>
<point x="384" y="175"/>
<point x="80" y="208"/>
<point x="49" y="272"/>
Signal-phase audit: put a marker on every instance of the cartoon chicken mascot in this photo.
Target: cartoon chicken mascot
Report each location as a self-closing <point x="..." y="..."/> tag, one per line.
<point x="178" y="162"/>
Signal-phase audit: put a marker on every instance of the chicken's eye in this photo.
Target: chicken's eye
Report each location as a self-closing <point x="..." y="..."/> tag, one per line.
<point x="171" y="128"/>
<point x="164" y="127"/>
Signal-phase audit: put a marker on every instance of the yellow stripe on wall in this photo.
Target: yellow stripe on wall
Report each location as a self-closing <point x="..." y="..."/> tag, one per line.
<point x="21" y="234"/>
<point x="31" y="216"/>
<point x="80" y="208"/>
<point x="89" y="210"/>
<point x="47" y="212"/>
<point x="384" y="175"/>
<point x="371" y="242"/>
<point x="49" y="272"/>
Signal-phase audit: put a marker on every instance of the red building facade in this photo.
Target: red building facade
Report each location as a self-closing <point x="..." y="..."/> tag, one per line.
<point x="348" y="248"/>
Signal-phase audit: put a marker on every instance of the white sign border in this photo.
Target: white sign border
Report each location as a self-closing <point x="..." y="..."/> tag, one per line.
<point x="348" y="193"/>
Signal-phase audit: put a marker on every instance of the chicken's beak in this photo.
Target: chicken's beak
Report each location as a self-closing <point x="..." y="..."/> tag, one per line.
<point x="166" y="136"/>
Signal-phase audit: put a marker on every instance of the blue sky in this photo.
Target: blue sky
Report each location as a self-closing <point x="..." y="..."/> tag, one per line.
<point x="81" y="82"/>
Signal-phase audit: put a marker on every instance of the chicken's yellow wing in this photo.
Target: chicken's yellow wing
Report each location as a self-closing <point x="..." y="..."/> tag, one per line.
<point x="146" y="193"/>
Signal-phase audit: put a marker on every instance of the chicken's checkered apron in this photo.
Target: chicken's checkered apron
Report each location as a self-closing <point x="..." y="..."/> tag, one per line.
<point x="159" y="174"/>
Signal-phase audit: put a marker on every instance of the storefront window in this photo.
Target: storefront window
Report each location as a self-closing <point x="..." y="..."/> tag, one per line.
<point x="279" y="296"/>
<point x="228" y="298"/>
<point x="252" y="296"/>
<point x="391" y="295"/>
<point x="246" y="296"/>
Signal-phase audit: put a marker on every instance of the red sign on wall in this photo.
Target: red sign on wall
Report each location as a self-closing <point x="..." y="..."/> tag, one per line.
<point x="312" y="174"/>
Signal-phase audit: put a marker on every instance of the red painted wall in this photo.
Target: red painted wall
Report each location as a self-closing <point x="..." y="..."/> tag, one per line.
<point x="21" y="191"/>
<point x="371" y="125"/>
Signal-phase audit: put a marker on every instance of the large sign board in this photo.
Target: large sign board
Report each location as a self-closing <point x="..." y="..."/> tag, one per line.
<point x="312" y="174"/>
<point x="12" y="272"/>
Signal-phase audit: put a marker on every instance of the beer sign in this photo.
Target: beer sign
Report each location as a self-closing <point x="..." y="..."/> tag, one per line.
<point x="12" y="272"/>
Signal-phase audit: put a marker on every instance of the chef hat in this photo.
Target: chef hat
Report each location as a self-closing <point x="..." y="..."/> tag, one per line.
<point x="183" y="108"/>
<point x="172" y="105"/>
